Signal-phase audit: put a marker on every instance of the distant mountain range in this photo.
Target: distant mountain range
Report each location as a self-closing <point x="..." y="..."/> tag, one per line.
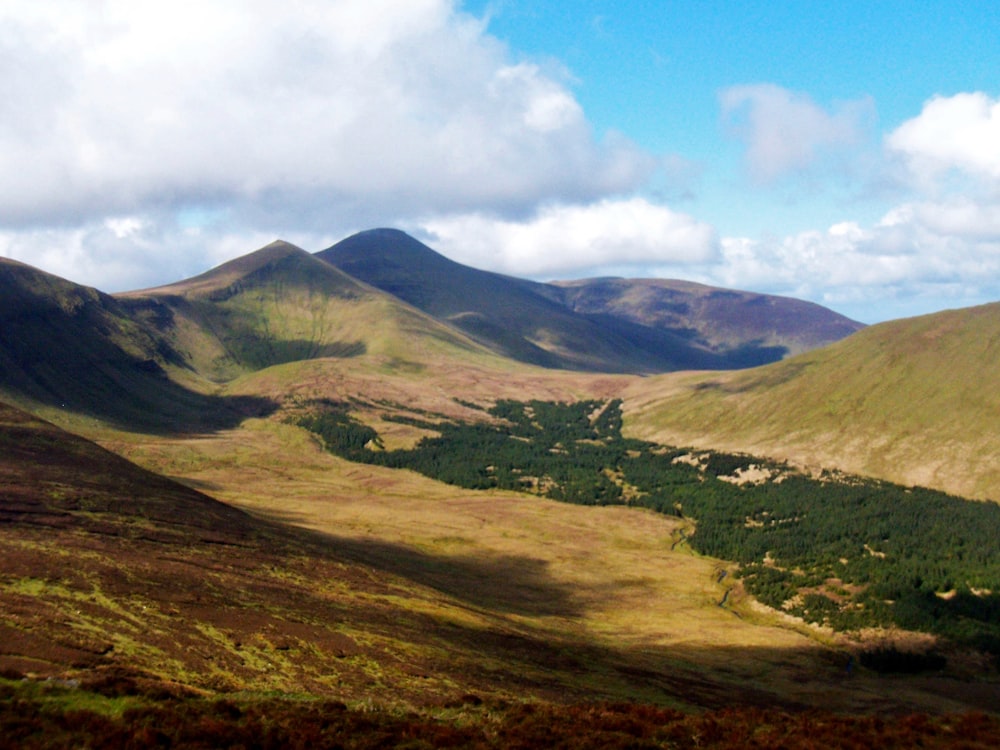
<point x="148" y="358"/>
<point x="907" y="400"/>
<point x="605" y="325"/>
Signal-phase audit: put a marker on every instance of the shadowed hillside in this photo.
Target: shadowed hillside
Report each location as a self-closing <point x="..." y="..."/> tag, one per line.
<point x="76" y="349"/>
<point x="529" y="321"/>
<point x="912" y="401"/>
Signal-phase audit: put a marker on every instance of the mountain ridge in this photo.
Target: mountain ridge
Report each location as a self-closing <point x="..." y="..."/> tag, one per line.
<point x="722" y="319"/>
<point x="166" y="357"/>
<point x="537" y="323"/>
<point x="281" y="304"/>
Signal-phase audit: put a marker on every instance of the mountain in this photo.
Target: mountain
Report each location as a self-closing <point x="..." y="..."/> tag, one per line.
<point x="723" y="320"/>
<point x="913" y="401"/>
<point x="155" y="358"/>
<point x="556" y="326"/>
<point x="72" y="348"/>
<point x="281" y="304"/>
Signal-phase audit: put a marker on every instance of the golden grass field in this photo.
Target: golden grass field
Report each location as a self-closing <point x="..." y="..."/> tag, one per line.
<point x="615" y="581"/>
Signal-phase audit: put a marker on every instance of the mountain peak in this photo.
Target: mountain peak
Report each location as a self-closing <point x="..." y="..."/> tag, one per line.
<point x="272" y="256"/>
<point x="384" y="247"/>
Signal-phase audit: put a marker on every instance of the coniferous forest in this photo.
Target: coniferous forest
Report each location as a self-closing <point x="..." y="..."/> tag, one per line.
<point x="838" y="550"/>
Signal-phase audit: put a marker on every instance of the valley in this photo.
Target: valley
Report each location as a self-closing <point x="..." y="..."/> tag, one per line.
<point x="173" y="526"/>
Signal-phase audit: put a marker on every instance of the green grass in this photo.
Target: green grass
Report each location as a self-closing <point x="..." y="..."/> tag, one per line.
<point x="912" y="401"/>
<point x="282" y="305"/>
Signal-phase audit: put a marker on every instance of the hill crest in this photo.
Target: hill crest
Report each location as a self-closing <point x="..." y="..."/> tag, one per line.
<point x="723" y="319"/>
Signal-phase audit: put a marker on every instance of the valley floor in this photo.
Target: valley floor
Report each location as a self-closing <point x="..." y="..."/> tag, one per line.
<point x="630" y="611"/>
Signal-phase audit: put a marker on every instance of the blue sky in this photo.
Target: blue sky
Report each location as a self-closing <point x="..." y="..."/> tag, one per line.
<point x="847" y="153"/>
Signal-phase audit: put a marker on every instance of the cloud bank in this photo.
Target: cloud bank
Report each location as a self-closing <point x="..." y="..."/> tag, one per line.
<point x="304" y="113"/>
<point x="261" y="117"/>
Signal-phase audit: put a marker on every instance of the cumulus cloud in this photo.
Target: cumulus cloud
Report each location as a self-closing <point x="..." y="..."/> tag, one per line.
<point x="203" y="122"/>
<point x="960" y="132"/>
<point x="130" y="252"/>
<point x="621" y="234"/>
<point x="283" y="113"/>
<point x="786" y="132"/>
<point x="891" y="269"/>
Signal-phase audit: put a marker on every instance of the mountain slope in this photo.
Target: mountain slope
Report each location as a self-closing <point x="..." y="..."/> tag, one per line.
<point x="724" y="320"/>
<point x="523" y="319"/>
<point x="280" y="304"/>
<point x="913" y="401"/>
<point x="73" y="348"/>
<point x="112" y="575"/>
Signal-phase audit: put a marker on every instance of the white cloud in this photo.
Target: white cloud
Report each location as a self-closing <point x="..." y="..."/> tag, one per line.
<point x="910" y="256"/>
<point x="140" y="140"/>
<point x="284" y="114"/>
<point x="960" y="132"/>
<point x="570" y="239"/>
<point x="786" y="132"/>
<point x="126" y="252"/>
<point x="959" y="217"/>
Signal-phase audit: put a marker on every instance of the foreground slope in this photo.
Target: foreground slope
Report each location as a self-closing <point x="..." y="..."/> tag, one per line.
<point x="579" y="602"/>
<point x="538" y="323"/>
<point x="110" y="572"/>
<point x="913" y="401"/>
<point x="406" y="592"/>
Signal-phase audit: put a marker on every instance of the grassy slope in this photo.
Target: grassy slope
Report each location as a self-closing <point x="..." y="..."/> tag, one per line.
<point x="280" y="304"/>
<point x="117" y="569"/>
<point x="402" y="591"/>
<point x="913" y="401"/>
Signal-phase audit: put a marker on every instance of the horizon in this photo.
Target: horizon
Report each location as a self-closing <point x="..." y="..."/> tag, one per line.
<point x="846" y="156"/>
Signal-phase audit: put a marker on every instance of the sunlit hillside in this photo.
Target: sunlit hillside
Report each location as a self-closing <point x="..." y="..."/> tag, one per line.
<point x="913" y="401"/>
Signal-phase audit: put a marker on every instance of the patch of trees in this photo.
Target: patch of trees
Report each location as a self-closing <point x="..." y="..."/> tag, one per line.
<point x="342" y="434"/>
<point x="844" y="551"/>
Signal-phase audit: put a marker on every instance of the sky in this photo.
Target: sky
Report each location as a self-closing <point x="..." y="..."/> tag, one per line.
<point x="845" y="153"/>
